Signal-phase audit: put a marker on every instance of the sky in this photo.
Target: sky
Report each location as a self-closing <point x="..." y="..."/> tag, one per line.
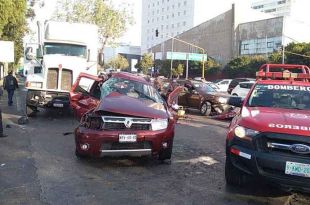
<point x="133" y="34"/>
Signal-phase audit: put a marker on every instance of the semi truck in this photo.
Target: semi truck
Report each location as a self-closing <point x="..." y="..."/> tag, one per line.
<point x="62" y="52"/>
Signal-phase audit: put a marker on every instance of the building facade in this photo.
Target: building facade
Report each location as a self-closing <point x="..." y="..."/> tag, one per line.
<point x="170" y="18"/>
<point x="238" y="31"/>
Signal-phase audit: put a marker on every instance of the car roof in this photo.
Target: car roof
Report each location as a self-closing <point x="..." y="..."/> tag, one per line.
<point x="130" y="76"/>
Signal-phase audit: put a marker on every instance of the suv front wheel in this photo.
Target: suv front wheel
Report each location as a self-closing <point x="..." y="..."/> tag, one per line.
<point x="166" y="153"/>
<point x="206" y="108"/>
<point x="233" y="175"/>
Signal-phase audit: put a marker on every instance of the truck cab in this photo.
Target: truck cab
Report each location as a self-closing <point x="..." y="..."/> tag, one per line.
<point x="269" y="138"/>
<point x="64" y="50"/>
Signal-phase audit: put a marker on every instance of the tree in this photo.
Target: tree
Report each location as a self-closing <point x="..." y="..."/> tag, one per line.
<point x="112" y="23"/>
<point x="13" y="25"/>
<point x="145" y="63"/>
<point x="178" y="70"/>
<point x="118" y="62"/>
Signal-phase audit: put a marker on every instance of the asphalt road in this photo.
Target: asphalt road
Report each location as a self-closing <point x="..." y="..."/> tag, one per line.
<point x="38" y="166"/>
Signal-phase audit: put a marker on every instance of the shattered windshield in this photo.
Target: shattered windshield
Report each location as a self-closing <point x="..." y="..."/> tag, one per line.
<point x="281" y="96"/>
<point x="130" y="88"/>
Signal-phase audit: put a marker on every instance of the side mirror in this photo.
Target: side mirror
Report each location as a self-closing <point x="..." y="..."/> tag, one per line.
<point x="175" y="107"/>
<point x="30" y="56"/>
<point x="235" y="101"/>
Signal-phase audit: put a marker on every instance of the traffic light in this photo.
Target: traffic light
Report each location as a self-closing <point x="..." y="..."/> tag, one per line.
<point x="156" y="32"/>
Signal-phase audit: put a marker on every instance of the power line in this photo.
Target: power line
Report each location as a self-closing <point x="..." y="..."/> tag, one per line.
<point x="297" y="54"/>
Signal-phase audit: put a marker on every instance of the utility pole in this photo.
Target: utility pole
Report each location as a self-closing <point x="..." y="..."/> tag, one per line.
<point x="172" y="42"/>
<point x="283" y="52"/>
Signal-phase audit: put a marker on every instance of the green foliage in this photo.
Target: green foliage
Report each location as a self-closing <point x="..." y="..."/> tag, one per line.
<point x="298" y="48"/>
<point x="178" y="70"/>
<point x="118" y="62"/>
<point x="13" y="24"/>
<point x="164" y="68"/>
<point x="244" y="66"/>
<point x="145" y="63"/>
<point x="112" y="23"/>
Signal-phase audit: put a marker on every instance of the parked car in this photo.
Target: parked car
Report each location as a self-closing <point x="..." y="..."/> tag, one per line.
<point x="236" y="81"/>
<point x="223" y="84"/>
<point x="242" y="89"/>
<point x="203" y="97"/>
<point x="125" y="115"/>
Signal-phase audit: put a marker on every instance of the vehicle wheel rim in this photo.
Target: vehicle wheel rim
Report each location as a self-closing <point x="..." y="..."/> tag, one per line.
<point x="204" y="108"/>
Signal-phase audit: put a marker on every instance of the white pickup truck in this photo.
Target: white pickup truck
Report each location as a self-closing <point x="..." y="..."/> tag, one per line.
<point x="63" y="51"/>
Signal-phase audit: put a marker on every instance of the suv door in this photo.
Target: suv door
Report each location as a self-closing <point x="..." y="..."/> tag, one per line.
<point x="194" y="99"/>
<point x="85" y="94"/>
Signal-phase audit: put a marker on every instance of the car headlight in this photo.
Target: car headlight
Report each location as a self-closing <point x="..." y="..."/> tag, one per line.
<point x="223" y="100"/>
<point x="159" y="124"/>
<point x="243" y="132"/>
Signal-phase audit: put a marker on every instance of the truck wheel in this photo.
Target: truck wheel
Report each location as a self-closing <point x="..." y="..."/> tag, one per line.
<point x="166" y="153"/>
<point x="206" y="108"/>
<point x="233" y="175"/>
<point x="31" y="111"/>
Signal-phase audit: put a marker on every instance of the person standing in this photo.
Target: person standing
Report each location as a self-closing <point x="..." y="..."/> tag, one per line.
<point x="10" y="84"/>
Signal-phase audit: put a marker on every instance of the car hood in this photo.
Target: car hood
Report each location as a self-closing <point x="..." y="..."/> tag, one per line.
<point x="214" y="94"/>
<point x="295" y="122"/>
<point x="122" y="104"/>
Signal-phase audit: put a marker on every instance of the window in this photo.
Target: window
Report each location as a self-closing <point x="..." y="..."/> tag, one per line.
<point x="162" y="17"/>
<point x="162" y="27"/>
<point x="258" y="7"/>
<point x="179" y="13"/>
<point x="184" y="12"/>
<point x="245" y="46"/>
<point x="270" y="10"/>
<point x="270" y="44"/>
<point x="172" y="15"/>
<point x="179" y="4"/>
<point x="172" y="25"/>
<point x="178" y="24"/>
<point x="185" y="3"/>
<point x="184" y="23"/>
<point x="162" y="9"/>
<point x="168" y="8"/>
<point x="173" y="6"/>
<point x="167" y="16"/>
<point x="282" y="2"/>
<point x="161" y="36"/>
<point x="167" y="26"/>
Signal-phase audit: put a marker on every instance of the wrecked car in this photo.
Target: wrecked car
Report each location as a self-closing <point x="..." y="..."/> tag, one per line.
<point x="123" y="116"/>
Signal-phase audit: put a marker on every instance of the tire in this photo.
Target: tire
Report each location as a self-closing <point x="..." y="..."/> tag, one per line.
<point x="80" y="156"/>
<point x="233" y="175"/>
<point x="166" y="153"/>
<point x="234" y="94"/>
<point x="31" y="111"/>
<point x="206" y="108"/>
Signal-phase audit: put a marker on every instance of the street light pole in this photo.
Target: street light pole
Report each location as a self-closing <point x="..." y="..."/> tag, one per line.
<point x="200" y="48"/>
<point x="172" y="42"/>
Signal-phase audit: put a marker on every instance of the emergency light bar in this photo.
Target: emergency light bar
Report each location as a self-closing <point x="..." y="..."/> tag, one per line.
<point x="271" y="71"/>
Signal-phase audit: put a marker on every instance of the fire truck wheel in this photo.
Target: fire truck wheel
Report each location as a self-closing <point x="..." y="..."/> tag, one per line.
<point x="233" y="175"/>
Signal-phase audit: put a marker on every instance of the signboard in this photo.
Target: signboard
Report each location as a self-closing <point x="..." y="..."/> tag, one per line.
<point x="7" y="51"/>
<point x="176" y="55"/>
<point x="184" y="56"/>
<point x="197" y="57"/>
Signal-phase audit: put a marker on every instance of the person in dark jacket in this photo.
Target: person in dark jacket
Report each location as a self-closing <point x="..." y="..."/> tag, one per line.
<point x="10" y="84"/>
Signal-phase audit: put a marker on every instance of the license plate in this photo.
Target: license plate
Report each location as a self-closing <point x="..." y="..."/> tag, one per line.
<point x="58" y="105"/>
<point x="127" y="138"/>
<point x="297" y="169"/>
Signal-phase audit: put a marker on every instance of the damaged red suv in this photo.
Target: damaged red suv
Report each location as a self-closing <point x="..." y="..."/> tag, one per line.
<point x="122" y="116"/>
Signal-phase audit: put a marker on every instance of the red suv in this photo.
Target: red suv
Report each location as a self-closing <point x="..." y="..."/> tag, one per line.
<point x="270" y="137"/>
<point x="124" y="115"/>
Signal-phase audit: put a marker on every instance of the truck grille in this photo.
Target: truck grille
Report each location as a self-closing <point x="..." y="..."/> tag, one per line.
<point x="126" y="123"/>
<point x="281" y="143"/>
<point x="52" y="78"/>
<point x="66" y="79"/>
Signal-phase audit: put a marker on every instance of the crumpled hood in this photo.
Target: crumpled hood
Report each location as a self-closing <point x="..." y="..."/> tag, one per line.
<point x="125" y="105"/>
<point x="295" y="122"/>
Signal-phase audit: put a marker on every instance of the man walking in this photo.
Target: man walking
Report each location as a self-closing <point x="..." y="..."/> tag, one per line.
<point x="10" y="84"/>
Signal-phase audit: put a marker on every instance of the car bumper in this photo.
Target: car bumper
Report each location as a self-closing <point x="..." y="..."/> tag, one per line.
<point x="106" y="143"/>
<point x="268" y="166"/>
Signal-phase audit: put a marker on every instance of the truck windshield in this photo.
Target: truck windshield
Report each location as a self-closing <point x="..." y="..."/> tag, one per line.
<point x="65" y="49"/>
<point x="280" y="96"/>
<point x="131" y="89"/>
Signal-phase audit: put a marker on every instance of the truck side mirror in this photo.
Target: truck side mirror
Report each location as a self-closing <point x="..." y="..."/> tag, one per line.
<point x="101" y="59"/>
<point x="88" y="55"/>
<point x="235" y="101"/>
